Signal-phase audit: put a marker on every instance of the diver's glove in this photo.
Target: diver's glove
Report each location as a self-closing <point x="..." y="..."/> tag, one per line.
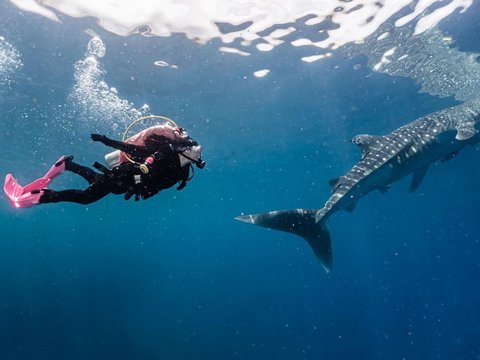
<point x="98" y="137"/>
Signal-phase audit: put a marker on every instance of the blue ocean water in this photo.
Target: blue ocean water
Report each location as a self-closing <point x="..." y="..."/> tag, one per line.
<point x="176" y="277"/>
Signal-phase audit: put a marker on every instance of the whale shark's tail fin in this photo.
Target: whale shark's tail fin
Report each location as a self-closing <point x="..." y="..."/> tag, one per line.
<point x="299" y="222"/>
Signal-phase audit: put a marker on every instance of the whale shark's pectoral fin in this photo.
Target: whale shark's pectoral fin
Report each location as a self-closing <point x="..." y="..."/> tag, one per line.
<point x="365" y="142"/>
<point x="417" y="179"/>
<point x="350" y="207"/>
<point x="450" y="156"/>
<point x="300" y="222"/>
<point x="466" y="131"/>
<point x="384" y="189"/>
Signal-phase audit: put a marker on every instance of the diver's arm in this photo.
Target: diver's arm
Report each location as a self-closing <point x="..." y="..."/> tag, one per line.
<point x="185" y="178"/>
<point x="135" y="150"/>
<point x="163" y="152"/>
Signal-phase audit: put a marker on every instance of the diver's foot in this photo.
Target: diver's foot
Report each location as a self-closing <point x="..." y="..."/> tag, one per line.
<point x="46" y="195"/>
<point x="65" y="160"/>
<point x="42" y="191"/>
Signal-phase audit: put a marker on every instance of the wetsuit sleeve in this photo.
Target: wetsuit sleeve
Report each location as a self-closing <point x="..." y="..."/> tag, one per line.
<point x="163" y="152"/>
<point x="135" y="150"/>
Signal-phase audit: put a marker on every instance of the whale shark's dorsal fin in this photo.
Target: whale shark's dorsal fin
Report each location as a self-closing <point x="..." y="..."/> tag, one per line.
<point x="334" y="183"/>
<point x="365" y="142"/>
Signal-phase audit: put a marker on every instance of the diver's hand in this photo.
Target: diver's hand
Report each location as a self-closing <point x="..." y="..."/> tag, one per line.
<point x="98" y="137"/>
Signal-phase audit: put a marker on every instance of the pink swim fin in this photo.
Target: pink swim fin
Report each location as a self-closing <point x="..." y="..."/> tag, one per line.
<point x="29" y="195"/>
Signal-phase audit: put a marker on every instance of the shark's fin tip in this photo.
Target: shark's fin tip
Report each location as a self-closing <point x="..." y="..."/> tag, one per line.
<point x="249" y="219"/>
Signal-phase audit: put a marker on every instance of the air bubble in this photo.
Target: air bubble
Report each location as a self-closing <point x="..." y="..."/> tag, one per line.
<point x="96" y="47"/>
<point x="9" y="61"/>
<point x="93" y="98"/>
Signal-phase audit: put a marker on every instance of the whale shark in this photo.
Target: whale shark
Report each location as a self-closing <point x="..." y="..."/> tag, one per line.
<point x="385" y="159"/>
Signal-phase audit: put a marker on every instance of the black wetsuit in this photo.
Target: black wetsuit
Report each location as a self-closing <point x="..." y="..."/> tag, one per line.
<point x="165" y="172"/>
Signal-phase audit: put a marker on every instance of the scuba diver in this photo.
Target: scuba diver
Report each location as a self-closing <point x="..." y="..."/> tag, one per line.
<point x="156" y="158"/>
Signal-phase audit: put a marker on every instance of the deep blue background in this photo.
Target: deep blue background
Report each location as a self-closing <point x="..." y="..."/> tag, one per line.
<point x="175" y="277"/>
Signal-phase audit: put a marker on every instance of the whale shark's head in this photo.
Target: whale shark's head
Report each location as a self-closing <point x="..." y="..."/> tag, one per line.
<point x="361" y="139"/>
<point x="365" y="142"/>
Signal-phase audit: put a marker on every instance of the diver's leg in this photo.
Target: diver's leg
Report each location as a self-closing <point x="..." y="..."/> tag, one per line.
<point x="85" y="172"/>
<point x="94" y="192"/>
